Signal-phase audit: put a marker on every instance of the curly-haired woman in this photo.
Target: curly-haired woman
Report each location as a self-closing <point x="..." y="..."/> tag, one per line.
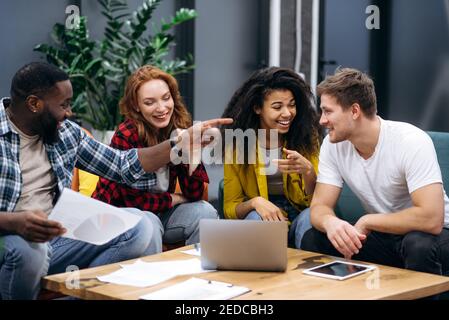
<point x="276" y="104"/>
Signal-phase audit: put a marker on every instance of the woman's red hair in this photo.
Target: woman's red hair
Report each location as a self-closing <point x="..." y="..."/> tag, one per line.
<point x="180" y="118"/>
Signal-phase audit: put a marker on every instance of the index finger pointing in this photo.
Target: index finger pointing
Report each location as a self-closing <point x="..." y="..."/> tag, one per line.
<point x="216" y="122"/>
<point x="293" y="152"/>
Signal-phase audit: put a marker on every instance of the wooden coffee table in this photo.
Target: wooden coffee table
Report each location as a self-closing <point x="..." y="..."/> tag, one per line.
<point x="382" y="283"/>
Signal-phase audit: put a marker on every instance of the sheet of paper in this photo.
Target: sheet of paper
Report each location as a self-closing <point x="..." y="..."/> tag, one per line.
<point x="197" y="289"/>
<point x="144" y="274"/>
<point x="128" y="277"/>
<point x="193" y="252"/>
<point x="196" y="251"/>
<point x="90" y="220"/>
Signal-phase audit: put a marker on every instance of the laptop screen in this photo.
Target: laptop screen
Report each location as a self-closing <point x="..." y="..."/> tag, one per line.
<point x="243" y="245"/>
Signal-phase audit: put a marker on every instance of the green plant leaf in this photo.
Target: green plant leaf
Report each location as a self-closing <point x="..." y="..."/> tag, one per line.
<point x="91" y="64"/>
<point x="182" y="15"/>
<point x="107" y="65"/>
<point x="99" y="68"/>
<point x="74" y="63"/>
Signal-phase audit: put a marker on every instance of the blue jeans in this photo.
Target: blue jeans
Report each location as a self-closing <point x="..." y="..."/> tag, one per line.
<point x="181" y="223"/>
<point x="297" y="229"/>
<point x="25" y="263"/>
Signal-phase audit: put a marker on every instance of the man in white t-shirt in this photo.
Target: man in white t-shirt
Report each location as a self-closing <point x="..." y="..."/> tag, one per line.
<point x="392" y="168"/>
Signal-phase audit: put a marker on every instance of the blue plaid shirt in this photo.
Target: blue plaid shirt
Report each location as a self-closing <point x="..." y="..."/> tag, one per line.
<point x="74" y="148"/>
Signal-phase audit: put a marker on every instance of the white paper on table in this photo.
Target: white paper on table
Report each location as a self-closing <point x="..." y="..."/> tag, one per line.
<point x="128" y="277"/>
<point x="144" y="274"/>
<point x="176" y="267"/>
<point x="196" y="251"/>
<point x="193" y="252"/>
<point x="90" y="220"/>
<point x="197" y="289"/>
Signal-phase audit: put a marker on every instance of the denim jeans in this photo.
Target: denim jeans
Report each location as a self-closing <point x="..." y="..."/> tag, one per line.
<point x="181" y="223"/>
<point x="25" y="263"/>
<point x="415" y="250"/>
<point x="299" y="226"/>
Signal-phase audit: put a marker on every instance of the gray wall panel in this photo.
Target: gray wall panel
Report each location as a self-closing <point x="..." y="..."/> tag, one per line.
<point x="346" y="38"/>
<point x="419" y="74"/>
<point x="23" y="24"/>
<point x="225" y="52"/>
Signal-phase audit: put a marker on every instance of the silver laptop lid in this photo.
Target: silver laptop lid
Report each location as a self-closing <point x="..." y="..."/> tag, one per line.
<point x="243" y="245"/>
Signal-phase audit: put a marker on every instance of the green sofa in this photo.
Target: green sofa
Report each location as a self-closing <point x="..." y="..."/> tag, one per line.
<point x="350" y="208"/>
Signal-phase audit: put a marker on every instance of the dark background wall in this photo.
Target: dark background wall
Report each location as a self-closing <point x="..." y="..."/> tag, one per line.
<point x="23" y="24"/>
<point x="226" y="51"/>
<point x="419" y="63"/>
<point x="344" y="38"/>
<point x="408" y="57"/>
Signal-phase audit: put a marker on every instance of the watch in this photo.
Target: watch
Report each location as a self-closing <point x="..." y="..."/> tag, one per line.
<point x="174" y="145"/>
<point x="174" y="141"/>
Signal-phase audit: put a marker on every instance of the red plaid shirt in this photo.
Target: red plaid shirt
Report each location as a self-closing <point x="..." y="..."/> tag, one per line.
<point x="120" y="195"/>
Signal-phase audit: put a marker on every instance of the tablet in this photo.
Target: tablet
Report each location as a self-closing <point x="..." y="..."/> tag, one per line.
<point x="339" y="270"/>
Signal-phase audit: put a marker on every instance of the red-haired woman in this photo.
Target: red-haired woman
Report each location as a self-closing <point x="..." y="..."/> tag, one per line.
<point x="153" y="108"/>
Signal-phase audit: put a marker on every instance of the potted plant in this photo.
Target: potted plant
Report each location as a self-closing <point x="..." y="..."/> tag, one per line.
<point x="98" y="69"/>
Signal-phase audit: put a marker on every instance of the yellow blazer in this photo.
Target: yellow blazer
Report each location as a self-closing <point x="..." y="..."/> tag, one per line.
<point x="244" y="182"/>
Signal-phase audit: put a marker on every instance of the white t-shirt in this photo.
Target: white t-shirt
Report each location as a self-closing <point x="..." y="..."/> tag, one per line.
<point x="404" y="160"/>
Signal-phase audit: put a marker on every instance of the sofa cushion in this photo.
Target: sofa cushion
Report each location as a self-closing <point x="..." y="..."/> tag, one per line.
<point x="441" y="142"/>
<point x="349" y="207"/>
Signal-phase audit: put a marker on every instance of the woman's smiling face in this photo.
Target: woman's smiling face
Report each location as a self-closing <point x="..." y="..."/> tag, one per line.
<point x="278" y="111"/>
<point x="155" y="103"/>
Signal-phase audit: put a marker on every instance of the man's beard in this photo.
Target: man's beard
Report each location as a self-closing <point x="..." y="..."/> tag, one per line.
<point x="47" y="128"/>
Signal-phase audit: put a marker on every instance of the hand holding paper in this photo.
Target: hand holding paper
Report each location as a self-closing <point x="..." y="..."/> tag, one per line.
<point x="90" y="220"/>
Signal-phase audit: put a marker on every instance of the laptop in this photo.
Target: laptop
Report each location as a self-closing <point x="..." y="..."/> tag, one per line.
<point x="243" y="245"/>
